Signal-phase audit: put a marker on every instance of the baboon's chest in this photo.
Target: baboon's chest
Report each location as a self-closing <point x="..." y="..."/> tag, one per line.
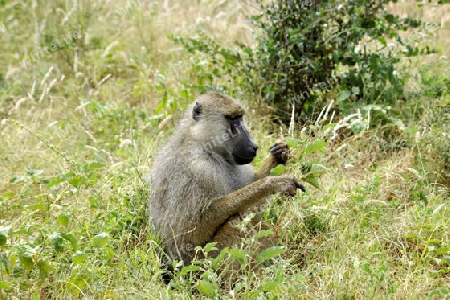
<point x="236" y="178"/>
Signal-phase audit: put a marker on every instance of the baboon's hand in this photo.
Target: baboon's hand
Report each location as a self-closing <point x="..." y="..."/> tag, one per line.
<point x="292" y="186"/>
<point x="281" y="152"/>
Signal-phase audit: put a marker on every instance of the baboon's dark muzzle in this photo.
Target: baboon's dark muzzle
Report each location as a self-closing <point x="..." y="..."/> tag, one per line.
<point x="246" y="156"/>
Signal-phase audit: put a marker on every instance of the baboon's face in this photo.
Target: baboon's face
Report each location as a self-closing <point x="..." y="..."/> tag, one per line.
<point x="243" y="147"/>
<point x="224" y="134"/>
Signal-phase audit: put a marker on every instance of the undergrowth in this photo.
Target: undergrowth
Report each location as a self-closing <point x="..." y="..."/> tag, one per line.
<point x="80" y="125"/>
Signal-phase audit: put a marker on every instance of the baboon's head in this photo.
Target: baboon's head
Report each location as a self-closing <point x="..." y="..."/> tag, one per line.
<point x="219" y="126"/>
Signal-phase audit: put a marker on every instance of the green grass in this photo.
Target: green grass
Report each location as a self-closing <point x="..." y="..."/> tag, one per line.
<point x="80" y="125"/>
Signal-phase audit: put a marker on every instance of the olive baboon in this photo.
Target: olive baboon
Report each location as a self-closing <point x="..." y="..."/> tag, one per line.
<point x="201" y="181"/>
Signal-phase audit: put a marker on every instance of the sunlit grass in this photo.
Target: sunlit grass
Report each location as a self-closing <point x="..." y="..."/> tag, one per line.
<point x="80" y="125"/>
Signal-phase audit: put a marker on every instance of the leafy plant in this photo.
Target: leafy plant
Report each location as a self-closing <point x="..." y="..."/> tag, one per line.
<point x="307" y="47"/>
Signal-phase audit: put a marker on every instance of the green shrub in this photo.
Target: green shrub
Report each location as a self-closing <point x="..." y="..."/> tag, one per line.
<point x="308" y="47"/>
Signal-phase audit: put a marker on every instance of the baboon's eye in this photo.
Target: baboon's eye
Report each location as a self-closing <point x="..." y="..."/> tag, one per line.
<point x="197" y="111"/>
<point x="234" y="122"/>
<point x="233" y="117"/>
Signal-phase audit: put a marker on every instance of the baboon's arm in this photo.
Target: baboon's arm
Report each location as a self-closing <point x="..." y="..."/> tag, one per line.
<point x="221" y="209"/>
<point x="279" y="154"/>
<point x="264" y="169"/>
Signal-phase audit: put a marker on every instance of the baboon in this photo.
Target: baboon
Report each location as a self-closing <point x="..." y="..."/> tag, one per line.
<point x="202" y="183"/>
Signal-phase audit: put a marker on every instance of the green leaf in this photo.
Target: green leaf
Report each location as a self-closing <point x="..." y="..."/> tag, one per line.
<point x="443" y="250"/>
<point x="270" y="285"/>
<point x="312" y="180"/>
<point x="344" y="94"/>
<point x="293" y="143"/>
<point x="92" y="166"/>
<point x="412" y="236"/>
<point x="439" y="292"/>
<point x="4" y="285"/>
<point x="329" y="125"/>
<point x="57" y="240"/>
<point x="77" y="180"/>
<point x="189" y="269"/>
<point x="26" y="254"/>
<point x="317" y="170"/>
<point x="262" y="234"/>
<point x="61" y="178"/>
<point x="355" y="90"/>
<point x="72" y="240"/>
<point x="15" y="178"/>
<point x="278" y="170"/>
<point x="100" y="240"/>
<point x="44" y="269"/>
<point x="239" y="254"/>
<point x="77" y="282"/>
<point x="210" y="246"/>
<point x="63" y="220"/>
<point x="217" y="261"/>
<point x="269" y="253"/>
<point x="79" y="257"/>
<point x="207" y="288"/>
<point x="4" y="234"/>
<point x="33" y="172"/>
<point x="55" y="181"/>
<point x="317" y="145"/>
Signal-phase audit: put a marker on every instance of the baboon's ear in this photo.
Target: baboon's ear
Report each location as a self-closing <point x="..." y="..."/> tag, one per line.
<point x="197" y="111"/>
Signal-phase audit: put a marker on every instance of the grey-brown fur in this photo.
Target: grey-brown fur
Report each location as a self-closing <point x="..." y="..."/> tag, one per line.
<point x="198" y="191"/>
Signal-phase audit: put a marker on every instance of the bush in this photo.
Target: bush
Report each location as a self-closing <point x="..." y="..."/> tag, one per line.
<point x="307" y="47"/>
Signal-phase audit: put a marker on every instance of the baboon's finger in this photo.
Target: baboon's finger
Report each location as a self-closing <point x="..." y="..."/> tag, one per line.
<point x="300" y="186"/>
<point x="277" y="146"/>
<point x="281" y="152"/>
<point x="290" y="192"/>
<point x="277" y="152"/>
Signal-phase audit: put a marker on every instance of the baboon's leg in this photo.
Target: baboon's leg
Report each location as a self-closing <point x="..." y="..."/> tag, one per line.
<point x="257" y="225"/>
<point x="220" y="210"/>
<point x="230" y="235"/>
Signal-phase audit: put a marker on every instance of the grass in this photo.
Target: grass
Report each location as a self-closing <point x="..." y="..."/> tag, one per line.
<point x="80" y="125"/>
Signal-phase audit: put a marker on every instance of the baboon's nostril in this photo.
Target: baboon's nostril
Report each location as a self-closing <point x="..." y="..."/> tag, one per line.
<point x="253" y="149"/>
